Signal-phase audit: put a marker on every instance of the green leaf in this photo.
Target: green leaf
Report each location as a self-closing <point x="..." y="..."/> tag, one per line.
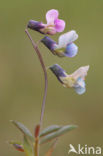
<point x="58" y="133"/>
<point x="17" y="145"/>
<point x="51" y="149"/>
<point x="23" y="129"/>
<point x="49" y="130"/>
<point x="27" y="147"/>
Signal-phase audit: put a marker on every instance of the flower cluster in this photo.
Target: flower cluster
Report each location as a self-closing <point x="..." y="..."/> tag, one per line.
<point x="65" y="47"/>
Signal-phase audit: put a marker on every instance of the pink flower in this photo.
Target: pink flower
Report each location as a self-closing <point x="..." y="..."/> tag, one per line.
<point x="53" y="25"/>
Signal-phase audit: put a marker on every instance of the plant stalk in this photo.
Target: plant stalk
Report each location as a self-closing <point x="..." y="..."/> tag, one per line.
<point x="36" y="147"/>
<point x="45" y="74"/>
<point x="35" y="46"/>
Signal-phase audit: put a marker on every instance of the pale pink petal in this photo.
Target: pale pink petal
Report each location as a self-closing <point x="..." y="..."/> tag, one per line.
<point x="51" y="16"/>
<point x="81" y="72"/>
<point x="59" y="25"/>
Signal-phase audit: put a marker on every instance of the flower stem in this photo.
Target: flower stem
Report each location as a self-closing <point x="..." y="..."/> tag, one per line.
<point x="45" y="74"/>
<point x="36" y="147"/>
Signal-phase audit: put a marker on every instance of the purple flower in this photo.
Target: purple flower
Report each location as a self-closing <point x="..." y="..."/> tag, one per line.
<point x="53" y="25"/>
<point x="74" y="80"/>
<point x="65" y="45"/>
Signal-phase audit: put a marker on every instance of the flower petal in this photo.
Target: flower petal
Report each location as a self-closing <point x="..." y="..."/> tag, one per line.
<point x="81" y="72"/>
<point x="59" y="25"/>
<point x="67" y="38"/>
<point x="80" y="86"/>
<point x="80" y="82"/>
<point x="51" y="16"/>
<point x="71" y="50"/>
<point x="80" y="90"/>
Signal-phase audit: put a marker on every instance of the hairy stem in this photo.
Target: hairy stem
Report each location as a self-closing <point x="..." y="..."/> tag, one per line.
<point x="45" y="74"/>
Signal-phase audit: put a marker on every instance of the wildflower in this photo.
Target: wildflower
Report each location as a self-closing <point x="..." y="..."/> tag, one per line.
<point x="53" y="25"/>
<point x="65" y="45"/>
<point x="75" y="80"/>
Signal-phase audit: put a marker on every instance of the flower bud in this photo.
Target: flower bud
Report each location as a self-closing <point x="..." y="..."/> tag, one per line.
<point x="35" y="25"/>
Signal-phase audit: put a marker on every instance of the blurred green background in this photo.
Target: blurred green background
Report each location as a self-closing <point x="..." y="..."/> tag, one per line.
<point x="22" y="81"/>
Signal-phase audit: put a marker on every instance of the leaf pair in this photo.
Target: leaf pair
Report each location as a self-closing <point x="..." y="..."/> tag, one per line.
<point x="55" y="131"/>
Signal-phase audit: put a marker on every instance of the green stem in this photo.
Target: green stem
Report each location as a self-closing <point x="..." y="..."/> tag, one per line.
<point x="36" y="147"/>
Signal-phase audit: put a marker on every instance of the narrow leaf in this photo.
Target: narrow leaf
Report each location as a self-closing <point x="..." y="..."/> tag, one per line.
<point x="51" y="149"/>
<point x="17" y="145"/>
<point x="49" y="130"/>
<point x="23" y="129"/>
<point x="27" y="147"/>
<point x="58" y="133"/>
